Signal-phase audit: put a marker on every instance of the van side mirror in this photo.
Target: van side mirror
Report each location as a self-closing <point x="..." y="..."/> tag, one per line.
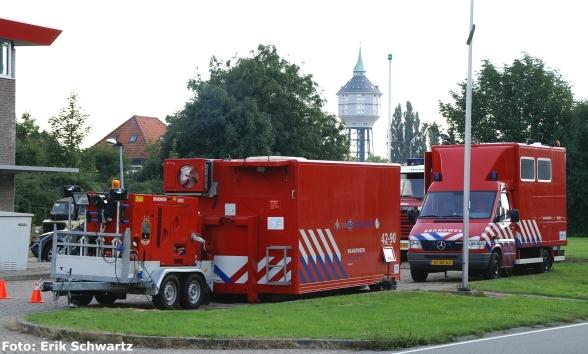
<point x="514" y="215"/>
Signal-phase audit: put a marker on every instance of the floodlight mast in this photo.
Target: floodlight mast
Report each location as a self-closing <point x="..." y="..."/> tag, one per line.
<point x="467" y="159"/>
<point x="113" y="142"/>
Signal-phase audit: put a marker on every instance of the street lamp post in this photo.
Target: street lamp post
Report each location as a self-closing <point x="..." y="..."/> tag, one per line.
<point x="120" y="146"/>
<point x="389" y="130"/>
<point x="467" y="159"/>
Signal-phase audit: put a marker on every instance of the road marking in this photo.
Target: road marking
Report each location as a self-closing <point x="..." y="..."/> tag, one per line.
<point x="492" y="338"/>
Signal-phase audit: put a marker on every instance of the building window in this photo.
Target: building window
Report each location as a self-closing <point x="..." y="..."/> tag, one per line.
<point x="360" y="108"/>
<point x="133" y="138"/>
<point x="6" y="59"/>
<point x="544" y="170"/>
<point x="527" y="169"/>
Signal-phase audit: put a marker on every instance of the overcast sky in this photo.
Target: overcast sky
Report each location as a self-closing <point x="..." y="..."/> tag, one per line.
<point x="135" y="57"/>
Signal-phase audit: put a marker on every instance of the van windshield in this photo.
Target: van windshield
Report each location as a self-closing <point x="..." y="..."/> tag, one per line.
<point x="450" y="205"/>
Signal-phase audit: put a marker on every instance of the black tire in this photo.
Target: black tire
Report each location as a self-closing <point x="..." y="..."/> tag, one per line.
<point x="169" y="293"/>
<point x="80" y="299"/>
<point x="546" y="262"/>
<point x="418" y="275"/>
<point x="494" y="267"/>
<point x="47" y="254"/>
<point x="106" y="299"/>
<point x="194" y="292"/>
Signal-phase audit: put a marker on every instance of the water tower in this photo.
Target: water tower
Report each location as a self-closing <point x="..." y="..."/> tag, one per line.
<point x="359" y="108"/>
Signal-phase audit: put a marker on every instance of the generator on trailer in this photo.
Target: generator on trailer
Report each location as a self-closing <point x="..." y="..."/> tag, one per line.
<point x="270" y="225"/>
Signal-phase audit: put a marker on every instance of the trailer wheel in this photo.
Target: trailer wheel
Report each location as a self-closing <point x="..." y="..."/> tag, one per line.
<point x="494" y="267"/>
<point x="106" y="299"/>
<point x="80" y="299"/>
<point x="418" y="275"/>
<point x="545" y="264"/>
<point x="194" y="292"/>
<point x="168" y="295"/>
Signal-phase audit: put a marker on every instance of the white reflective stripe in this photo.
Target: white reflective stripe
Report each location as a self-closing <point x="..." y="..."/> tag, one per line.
<point x="506" y="240"/>
<point x="333" y="243"/>
<point x="455" y="237"/>
<point x="308" y="246"/>
<point x="537" y="229"/>
<point x="490" y="232"/>
<point x="522" y="231"/>
<point x="429" y="237"/>
<point x="273" y="271"/>
<point x="486" y="238"/>
<point x="501" y="233"/>
<point x="315" y="242"/>
<point x="302" y="252"/>
<point x="243" y="278"/>
<point x="288" y="277"/>
<point x="559" y="258"/>
<point x="324" y="241"/>
<point x="262" y="263"/>
<point x="518" y="236"/>
<point x="529" y="260"/>
<point x="508" y="228"/>
<point x="530" y="231"/>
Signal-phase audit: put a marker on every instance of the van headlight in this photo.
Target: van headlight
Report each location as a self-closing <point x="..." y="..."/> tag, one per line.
<point x="415" y="244"/>
<point x="476" y="244"/>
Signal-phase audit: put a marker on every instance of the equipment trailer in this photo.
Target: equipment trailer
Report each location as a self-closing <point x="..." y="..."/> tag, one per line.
<point x="271" y="225"/>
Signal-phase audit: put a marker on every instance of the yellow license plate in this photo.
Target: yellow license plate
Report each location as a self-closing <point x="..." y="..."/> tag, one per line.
<point x="442" y="262"/>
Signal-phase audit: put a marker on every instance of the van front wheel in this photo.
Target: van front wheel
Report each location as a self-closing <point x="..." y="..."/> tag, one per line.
<point x="494" y="267"/>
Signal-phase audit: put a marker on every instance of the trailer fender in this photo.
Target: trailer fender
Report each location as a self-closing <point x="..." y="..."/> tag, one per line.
<point x="204" y="268"/>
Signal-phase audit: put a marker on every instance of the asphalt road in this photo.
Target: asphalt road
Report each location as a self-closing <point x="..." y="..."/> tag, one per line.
<point x="569" y="339"/>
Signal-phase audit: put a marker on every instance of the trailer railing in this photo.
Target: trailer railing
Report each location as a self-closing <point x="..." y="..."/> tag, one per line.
<point x="91" y="256"/>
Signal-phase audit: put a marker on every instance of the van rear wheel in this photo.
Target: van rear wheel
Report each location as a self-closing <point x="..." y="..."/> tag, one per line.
<point x="545" y="264"/>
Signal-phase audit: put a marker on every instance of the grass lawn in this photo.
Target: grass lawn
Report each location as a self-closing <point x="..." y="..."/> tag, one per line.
<point x="391" y="319"/>
<point x="568" y="279"/>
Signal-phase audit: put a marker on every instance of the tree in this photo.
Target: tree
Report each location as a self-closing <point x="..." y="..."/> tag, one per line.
<point x="259" y="105"/>
<point x="433" y="134"/>
<point x="69" y="129"/>
<point x="408" y="135"/>
<point x="577" y="169"/>
<point x="523" y="102"/>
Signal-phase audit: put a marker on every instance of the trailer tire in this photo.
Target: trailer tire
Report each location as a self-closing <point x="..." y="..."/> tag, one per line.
<point x="545" y="264"/>
<point x="418" y="275"/>
<point x="80" y="299"/>
<point x="106" y="299"/>
<point x="168" y="294"/>
<point x="494" y="267"/>
<point x="193" y="292"/>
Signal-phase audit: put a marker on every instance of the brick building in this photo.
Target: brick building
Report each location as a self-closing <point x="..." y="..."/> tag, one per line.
<point x="12" y="35"/>
<point x="135" y="134"/>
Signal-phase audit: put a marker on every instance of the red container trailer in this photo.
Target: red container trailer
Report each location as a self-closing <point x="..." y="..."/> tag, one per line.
<point x="293" y="226"/>
<point x="255" y="226"/>
<point x="517" y="210"/>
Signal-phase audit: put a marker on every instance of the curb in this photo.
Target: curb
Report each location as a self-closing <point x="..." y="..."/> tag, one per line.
<point x="194" y="342"/>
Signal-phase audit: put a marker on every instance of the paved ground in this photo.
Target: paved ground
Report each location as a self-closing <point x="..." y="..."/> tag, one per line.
<point x="20" y="293"/>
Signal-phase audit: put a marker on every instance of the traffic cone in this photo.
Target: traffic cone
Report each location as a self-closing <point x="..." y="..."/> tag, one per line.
<point x="36" y="295"/>
<point x="3" y="295"/>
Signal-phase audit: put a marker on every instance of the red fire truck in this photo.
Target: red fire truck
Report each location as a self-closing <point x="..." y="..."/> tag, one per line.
<point x="412" y="192"/>
<point x="255" y="226"/>
<point x="517" y="210"/>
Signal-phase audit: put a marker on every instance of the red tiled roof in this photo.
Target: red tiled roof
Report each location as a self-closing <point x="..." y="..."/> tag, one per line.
<point x="147" y="130"/>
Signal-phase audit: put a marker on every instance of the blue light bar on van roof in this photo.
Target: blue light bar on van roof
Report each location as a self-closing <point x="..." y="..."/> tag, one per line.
<point x="437" y="176"/>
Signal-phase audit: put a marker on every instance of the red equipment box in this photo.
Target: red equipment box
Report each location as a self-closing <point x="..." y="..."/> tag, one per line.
<point x="294" y="226"/>
<point x="164" y="228"/>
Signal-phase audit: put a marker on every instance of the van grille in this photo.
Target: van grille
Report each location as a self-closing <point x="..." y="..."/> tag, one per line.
<point x="450" y="245"/>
